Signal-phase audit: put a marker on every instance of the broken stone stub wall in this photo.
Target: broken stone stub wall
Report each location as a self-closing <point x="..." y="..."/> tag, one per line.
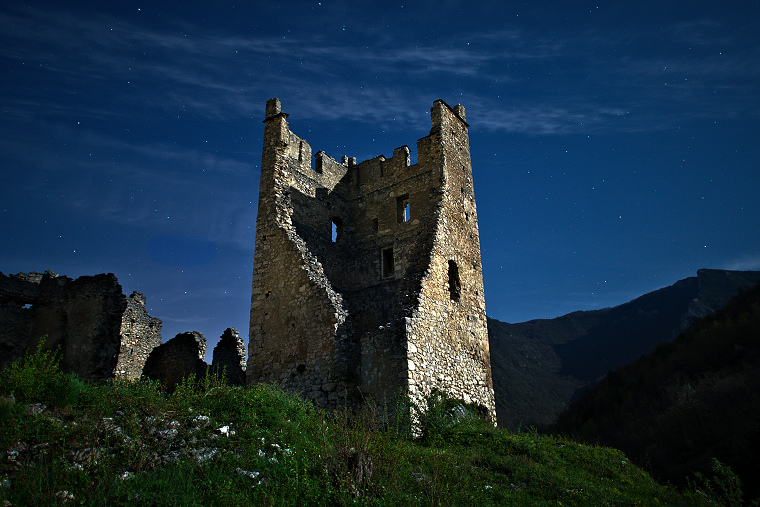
<point x="176" y="359"/>
<point x="229" y="357"/>
<point x="83" y="317"/>
<point x="351" y="284"/>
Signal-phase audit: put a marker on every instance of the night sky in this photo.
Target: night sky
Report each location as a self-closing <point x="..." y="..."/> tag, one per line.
<point x="615" y="145"/>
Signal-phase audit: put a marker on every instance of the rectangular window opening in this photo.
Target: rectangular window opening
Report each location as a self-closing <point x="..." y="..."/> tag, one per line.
<point x="403" y="209"/>
<point x="387" y="267"/>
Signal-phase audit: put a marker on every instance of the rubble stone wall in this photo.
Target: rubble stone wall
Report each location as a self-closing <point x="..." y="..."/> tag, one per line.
<point x="367" y="277"/>
<point x="176" y="359"/>
<point x="229" y="357"/>
<point x="84" y="318"/>
<point x="140" y="334"/>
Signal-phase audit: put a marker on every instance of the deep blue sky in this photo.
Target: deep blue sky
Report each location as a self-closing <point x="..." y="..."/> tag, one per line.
<point x="615" y="145"/>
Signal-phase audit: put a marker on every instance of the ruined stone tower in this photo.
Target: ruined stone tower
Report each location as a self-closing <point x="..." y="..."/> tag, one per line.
<point x="367" y="277"/>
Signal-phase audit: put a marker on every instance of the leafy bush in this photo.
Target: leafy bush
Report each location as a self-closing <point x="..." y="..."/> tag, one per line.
<point x="442" y="418"/>
<point x="64" y="390"/>
<point x="28" y="377"/>
<point x="723" y="487"/>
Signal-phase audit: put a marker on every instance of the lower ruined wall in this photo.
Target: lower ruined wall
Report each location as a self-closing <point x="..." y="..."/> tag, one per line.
<point x="229" y="357"/>
<point x="18" y="293"/>
<point x="81" y="317"/>
<point x="84" y="319"/>
<point x="183" y="355"/>
<point x="102" y="334"/>
<point x="176" y="359"/>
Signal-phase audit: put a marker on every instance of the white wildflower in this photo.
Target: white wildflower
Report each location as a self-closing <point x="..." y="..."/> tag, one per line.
<point x="204" y="454"/>
<point x="65" y="496"/>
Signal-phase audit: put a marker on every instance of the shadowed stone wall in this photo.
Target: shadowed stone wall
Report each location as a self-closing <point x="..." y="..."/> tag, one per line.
<point x="229" y="357"/>
<point x="367" y="277"/>
<point x="176" y="359"/>
<point x="90" y="319"/>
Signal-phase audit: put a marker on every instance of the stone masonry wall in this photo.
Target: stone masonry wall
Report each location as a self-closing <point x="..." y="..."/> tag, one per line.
<point x="140" y="334"/>
<point x="367" y="277"/>
<point x="229" y="357"/>
<point x="296" y="314"/>
<point x="177" y="359"/>
<point x="448" y="338"/>
<point x="83" y="317"/>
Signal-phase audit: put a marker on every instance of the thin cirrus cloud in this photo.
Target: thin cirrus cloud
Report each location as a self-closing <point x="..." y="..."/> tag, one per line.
<point x="744" y="263"/>
<point x="220" y="68"/>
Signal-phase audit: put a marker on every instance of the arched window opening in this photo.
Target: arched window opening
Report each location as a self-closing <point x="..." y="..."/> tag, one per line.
<point x="455" y="286"/>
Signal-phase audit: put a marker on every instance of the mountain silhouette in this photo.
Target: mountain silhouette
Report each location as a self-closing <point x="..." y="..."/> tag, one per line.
<point x="539" y="367"/>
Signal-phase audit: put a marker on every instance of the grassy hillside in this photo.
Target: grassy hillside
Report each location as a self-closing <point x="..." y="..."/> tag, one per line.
<point x="67" y="442"/>
<point x="689" y="401"/>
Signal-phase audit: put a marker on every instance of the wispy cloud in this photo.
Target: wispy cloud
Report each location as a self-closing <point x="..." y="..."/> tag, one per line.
<point x="170" y="69"/>
<point x="749" y="262"/>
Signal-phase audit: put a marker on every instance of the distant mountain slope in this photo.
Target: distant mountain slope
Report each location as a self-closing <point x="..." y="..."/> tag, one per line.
<point x="540" y="366"/>
<point x="690" y="400"/>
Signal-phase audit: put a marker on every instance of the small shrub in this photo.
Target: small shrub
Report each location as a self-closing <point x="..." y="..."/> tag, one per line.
<point x="28" y="377"/>
<point x="444" y="416"/>
<point x="723" y="488"/>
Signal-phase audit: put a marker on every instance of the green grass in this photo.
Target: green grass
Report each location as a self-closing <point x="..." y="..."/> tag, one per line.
<point x="67" y="442"/>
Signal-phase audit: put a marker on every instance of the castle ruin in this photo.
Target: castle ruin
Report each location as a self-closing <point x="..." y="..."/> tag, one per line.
<point x="367" y="277"/>
<point x="101" y="332"/>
